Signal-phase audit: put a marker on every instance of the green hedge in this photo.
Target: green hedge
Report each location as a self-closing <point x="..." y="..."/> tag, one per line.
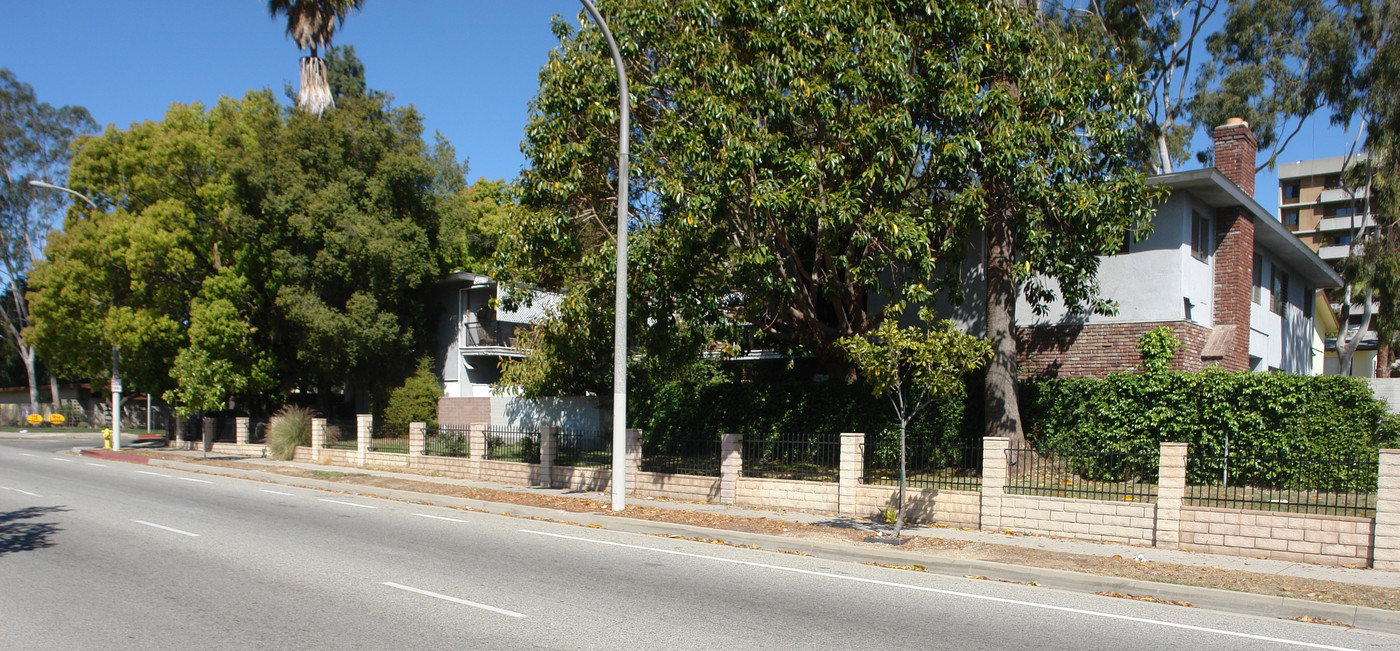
<point x="1272" y="421"/>
<point x="681" y="413"/>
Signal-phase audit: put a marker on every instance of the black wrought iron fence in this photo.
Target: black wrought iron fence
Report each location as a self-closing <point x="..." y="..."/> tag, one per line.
<point x="1320" y="486"/>
<point x="448" y="441"/>
<point x="681" y="455"/>
<point x="257" y="431"/>
<point x="814" y="457"/>
<point x="225" y="430"/>
<point x="584" y="449"/>
<point x="504" y="444"/>
<point x="928" y="465"/>
<point x="342" y="434"/>
<point x="389" y="437"/>
<point x="1090" y="474"/>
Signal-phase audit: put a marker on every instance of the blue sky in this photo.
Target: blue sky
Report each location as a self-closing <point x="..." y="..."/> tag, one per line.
<point x="469" y="66"/>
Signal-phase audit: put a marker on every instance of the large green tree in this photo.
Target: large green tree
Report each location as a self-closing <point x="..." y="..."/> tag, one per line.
<point x="809" y="168"/>
<point x="781" y="160"/>
<point x="246" y="249"/>
<point x="34" y="146"/>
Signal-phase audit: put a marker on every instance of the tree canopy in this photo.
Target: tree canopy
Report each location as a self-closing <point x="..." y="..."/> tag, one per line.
<point x="806" y="171"/>
<point x="34" y="146"/>
<point x="246" y="249"/>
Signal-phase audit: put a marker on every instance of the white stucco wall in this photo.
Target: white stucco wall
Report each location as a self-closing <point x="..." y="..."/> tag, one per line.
<point x="1283" y="342"/>
<point x="578" y="414"/>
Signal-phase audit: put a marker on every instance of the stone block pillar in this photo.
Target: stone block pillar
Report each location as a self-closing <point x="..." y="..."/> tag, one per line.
<point x="181" y="425"/>
<point x="634" y="453"/>
<point x="240" y="430"/>
<point x="1385" y="547"/>
<point x="852" y="469"/>
<point x="549" y="448"/>
<point x="207" y="430"/>
<point x="318" y="438"/>
<point x="994" y="478"/>
<point x="1171" y="491"/>
<point x="417" y="440"/>
<point x="476" y="441"/>
<point x="364" y="430"/>
<point x="731" y="465"/>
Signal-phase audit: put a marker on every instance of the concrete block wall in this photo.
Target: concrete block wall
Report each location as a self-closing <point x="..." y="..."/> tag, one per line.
<point x="1096" y="520"/>
<point x="956" y="508"/>
<point x="1321" y="539"/>
<point x="817" y="497"/>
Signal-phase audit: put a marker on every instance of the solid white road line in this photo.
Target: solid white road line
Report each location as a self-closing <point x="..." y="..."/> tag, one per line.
<point x="455" y="600"/>
<point x="99" y="465"/>
<point x="147" y="472"/>
<point x="278" y="493"/>
<point x="63" y="460"/>
<point x="21" y="491"/>
<point x="953" y="593"/>
<point x="439" y="517"/>
<point x="26" y="454"/>
<point x="363" y="506"/>
<point x="202" y="481"/>
<point x="152" y="524"/>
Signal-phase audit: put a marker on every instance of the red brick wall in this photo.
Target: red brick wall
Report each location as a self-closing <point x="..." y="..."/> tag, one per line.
<point x="1234" y="282"/>
<point x="1098" y="349"/>
<point x="1235" y="151"/>
<point x="464" y="411"/>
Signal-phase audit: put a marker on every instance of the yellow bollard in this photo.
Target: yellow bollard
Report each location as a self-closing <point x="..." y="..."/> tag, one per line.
<point x="106" y="438"/>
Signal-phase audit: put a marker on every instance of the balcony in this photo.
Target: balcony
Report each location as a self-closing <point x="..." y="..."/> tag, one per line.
<point x="1345" y="223"/>
<point x="489" y="338"/>
<point x="1336" y="252"/>
<point x="1331" y="195"/>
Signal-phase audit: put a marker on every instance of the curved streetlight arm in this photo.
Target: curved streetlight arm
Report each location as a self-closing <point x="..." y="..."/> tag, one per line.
<point x="43" y="184"/>
<point x="619" y="448"/>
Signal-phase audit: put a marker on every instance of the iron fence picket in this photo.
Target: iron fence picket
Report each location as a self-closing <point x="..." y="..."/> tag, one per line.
<point x="1345" y="487"/>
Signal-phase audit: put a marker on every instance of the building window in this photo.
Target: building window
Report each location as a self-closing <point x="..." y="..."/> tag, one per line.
<point x="1290" y="218"/>
<point x="1258" y="276"/>
<point x="1279" y="300"/>
<point x="1200" y="236"/>
<point x="1332" y="182"/>
<point x="1309" y="297"/>
<point x="1340" y="211"/>
<point x="1290" y="191"/>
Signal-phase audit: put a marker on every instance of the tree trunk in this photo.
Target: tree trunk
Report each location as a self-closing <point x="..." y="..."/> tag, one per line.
<point x="899" y="511"/>
<point x="53" y="389"/>
<point x="1003" y="416"/>
<point x="1383" y="359"/>
<point x="28" y="356"/>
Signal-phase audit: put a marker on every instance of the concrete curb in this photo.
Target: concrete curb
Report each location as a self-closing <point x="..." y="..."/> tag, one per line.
<point x="1210" y="598"/>
<point x="114" y="456"/>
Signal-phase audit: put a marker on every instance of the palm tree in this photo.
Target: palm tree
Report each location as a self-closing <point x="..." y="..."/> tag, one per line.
<point x="310" y="23"/>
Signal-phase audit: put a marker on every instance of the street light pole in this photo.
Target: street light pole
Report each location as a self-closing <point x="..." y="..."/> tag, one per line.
<point x="42" y="184"/>
<point x="116" y="354"/>
<point x="619" y="439"/>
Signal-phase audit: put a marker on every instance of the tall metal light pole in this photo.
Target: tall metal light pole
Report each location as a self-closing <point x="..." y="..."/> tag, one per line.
<point x="116" y="355"/>
<point x="619" y="441"/>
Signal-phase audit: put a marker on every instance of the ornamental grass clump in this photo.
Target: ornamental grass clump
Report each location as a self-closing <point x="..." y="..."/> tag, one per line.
<point x="288" y="429"/>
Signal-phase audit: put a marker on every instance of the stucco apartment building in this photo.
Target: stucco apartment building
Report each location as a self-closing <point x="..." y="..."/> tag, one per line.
<point x="1234" y="284"/>
<point x="1316" y="206"/>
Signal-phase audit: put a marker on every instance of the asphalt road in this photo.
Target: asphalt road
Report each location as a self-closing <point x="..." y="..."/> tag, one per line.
<point x="102" y="554"/>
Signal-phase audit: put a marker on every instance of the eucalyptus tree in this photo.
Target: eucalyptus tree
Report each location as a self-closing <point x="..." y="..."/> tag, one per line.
<point x="311" y="24"/>
<point x="34" y="146"/>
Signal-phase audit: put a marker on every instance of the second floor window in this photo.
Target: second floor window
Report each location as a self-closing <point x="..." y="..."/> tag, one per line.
<point x="1290" y="218"/>
<point x="1278" y="302"/>
<point x="1258" y="276"/>
<point x="1200" y="236"/>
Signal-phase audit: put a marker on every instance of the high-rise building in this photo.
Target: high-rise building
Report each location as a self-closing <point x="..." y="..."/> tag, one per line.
<point x="1331" y="219"/>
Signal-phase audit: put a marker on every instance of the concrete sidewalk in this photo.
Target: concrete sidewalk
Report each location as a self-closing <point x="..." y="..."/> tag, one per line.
<point x="1249" y="603"/>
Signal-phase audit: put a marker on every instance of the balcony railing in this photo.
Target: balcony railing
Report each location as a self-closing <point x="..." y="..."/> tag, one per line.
<point x="489" y="334"/>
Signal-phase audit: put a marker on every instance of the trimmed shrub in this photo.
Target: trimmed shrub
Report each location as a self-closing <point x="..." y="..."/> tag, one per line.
<point x="1271" y="421"/>
<point x="416" y="401"/>
<point x="289" y="428"/>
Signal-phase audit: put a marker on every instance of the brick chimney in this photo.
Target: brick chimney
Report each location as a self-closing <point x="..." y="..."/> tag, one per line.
<point x="1235" y="148"/>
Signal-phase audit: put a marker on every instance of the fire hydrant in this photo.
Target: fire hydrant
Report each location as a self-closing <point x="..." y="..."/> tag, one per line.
<point x="107" y="438"/>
